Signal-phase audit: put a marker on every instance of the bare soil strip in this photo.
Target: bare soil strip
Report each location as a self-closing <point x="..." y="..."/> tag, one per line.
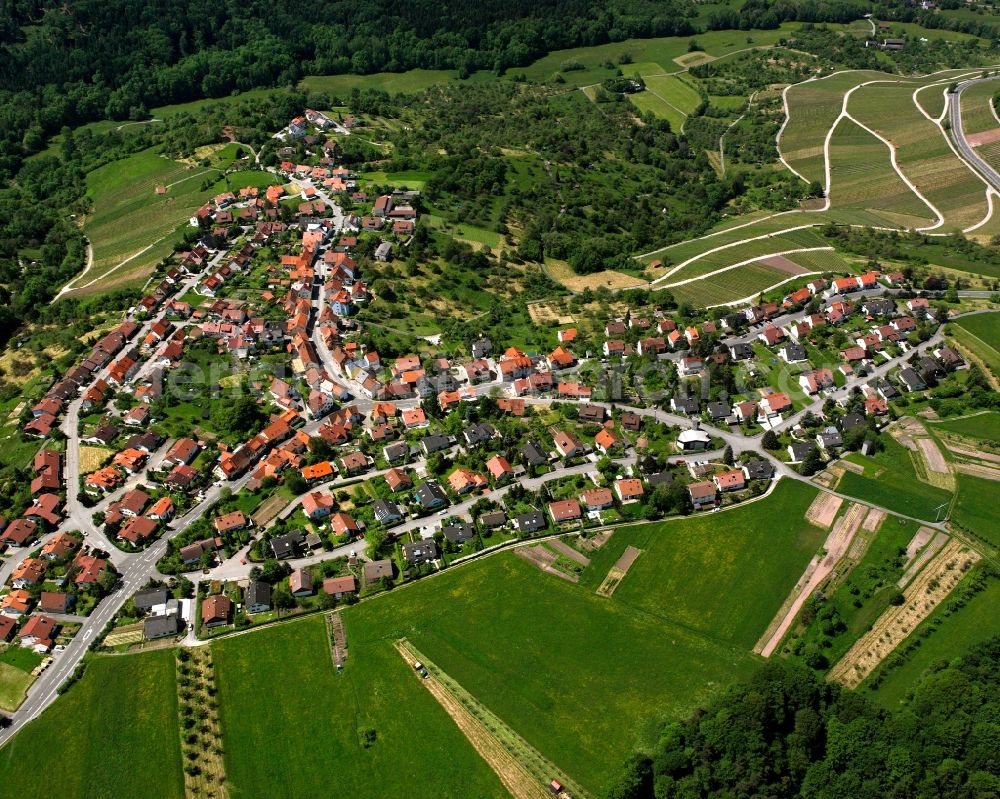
<point x="963" y="451"/>
<point x="338" y="639"/>
<point x="617" y="572"/>
<point x="937" y="542"/>
<point x="932" y="455"/>
<point x="930" y="588"/>
<point x="837" y="543"/>
<point x="502" y="748"/>
<point x="978" y="470"/>
<point x="921" y="537"/>
<point x="268" y="510"/>
<point x="824" y="509"/>
<point x="986" y="137"/>
<point x="874" y="520"/>
<point x="784" y="264"/>
<point x="543" y="558"/>
<point x="565" y="549"/>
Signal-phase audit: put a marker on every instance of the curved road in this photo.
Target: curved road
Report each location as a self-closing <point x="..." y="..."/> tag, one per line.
<point x="989" y="174"/>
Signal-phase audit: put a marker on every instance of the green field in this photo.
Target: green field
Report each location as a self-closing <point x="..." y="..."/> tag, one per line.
<point x="931" y="99"/>
<point x="976" y="114"/>
<point x="982" y="425"/>
<point x="14" y="682"/>
<point x="284" y="709"/>
<point x="667" y="96"/>
<point x="412" y="179"/>
<point x="889" y="480"/>
<point x="393" y="82"/>
<point x="114" y="734"/>
<point x="955" y="633"/>
<point x="980" y="333"/>
<point x="128" y="216"/>
<point x="250" y="177"/>
<point x="583" y="678"/>
<point x="974" y="509"/>
<point x="736" y="284"/>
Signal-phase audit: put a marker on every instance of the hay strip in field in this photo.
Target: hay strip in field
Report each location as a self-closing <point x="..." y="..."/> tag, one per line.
<point x="503" y="749"/>
<point x="835" y="546"/>
<point x="337" y="637"/>
<point x="914" y="566"/>
<point x="92" y="458"/>
<point x="565" y="549"/>
<point x="617" y="572"/>
<point x="783" y="264"/>
<point x="979" y="470"/>
<point x="824" y="509"/>
<point x="544" y="558"/>
<point x="931" y="588"/>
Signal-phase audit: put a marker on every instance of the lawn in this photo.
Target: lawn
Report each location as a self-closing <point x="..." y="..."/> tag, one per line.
<point x="889" y="480"/>
<point x="114" y="734"/>
<point x="956" y="632"/>
<point x="412" y="179"/>
<point x="980" y="333"/>
<point x="16" y="664"/>
<point x="974" y="509"/>
<point x="285" y="710"/>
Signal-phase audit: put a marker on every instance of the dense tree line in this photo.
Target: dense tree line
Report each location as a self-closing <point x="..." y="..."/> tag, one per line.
<point x="789" y="733"/>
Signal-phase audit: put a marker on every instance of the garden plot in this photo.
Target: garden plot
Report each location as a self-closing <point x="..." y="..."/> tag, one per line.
<point x="824" y="509"/>
<point x="617" y="572"/>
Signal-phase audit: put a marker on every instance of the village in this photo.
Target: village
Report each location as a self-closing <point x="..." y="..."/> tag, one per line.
<point x="235" y="450"/>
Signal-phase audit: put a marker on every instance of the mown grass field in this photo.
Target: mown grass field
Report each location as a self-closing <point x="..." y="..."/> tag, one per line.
<point x="114" y="734"/>
<point x="980" y="333"/>
<point x="284" y="710"/>
<point x="955" y="632"/>
<point x="863" y="180"/>
<point x="889" y="481"/>
<point x="922" y="153"/>
<point x="932" y="99"/>
<point x="667" y="96"/>
<point x="129" y="216"/>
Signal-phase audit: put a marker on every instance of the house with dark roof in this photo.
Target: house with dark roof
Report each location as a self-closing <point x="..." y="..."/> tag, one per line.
<point x="258" y="597"/>
<point x="416" y="552"/>
<point x="287" y="545"/>
<point x="530" y="522"/>
<point x="430" y="495"/>
<point x="156" y="627"/>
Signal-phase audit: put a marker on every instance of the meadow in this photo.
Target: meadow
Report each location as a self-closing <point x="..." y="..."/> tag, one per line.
<point x="667" y="96"/>
<point x="981" y="425"/>
<point x="980" y="333"/>
<point x="309" y="727"/>
<point x="129" y="216"/>
<point x="114" y="734"/>
<point x="954" y="631"/>
<point x="974" y="509"/>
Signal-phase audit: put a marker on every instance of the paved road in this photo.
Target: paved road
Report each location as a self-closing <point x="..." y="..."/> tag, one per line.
<point x="968" y="152"/>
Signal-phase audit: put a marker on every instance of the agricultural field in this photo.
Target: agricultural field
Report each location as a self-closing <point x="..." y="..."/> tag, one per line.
<point x="668" y="96"/>
<point x="977" y="113"/>
<point x="813" y="107"/>
<point x="16" y="665"/>
<point x="416" y="753"/>
<point x="732" y="286"/>
<point x="393" y="82"/>
<point x="130" y="219"/>
<point x="115" y="732"/>
<point x="923" y="154"/>
<point x="980" y="334"/>
<point x="865" y="183"/>
<point x="944" y="635"/>
<point x="890" y="481"/>
<point x="981" y="425"/>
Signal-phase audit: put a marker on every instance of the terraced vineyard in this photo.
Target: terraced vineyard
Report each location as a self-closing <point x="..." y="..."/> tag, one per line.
<point x="977" y="116"/>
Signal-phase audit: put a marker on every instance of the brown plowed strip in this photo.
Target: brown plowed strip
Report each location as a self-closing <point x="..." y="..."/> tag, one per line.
<point x="931" y="587"/>
<point x="544" y="558"/>
<point x="512" y="774"/>
<point x="823" y="509"/>
<point x="783" y="264"/>
<point x="921" y="537"/>
<point x="874" y="520"/>
<point x="977" y="470"/>
<point x="932" y="455"/>
<point x="565" y="549"/>
<point x="837" y="543"/>
<point x="970" y="453"/>
<point x="986" y="137"/>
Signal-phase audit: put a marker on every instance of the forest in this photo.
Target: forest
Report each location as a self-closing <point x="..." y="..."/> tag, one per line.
<point x="789" y="733"/>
